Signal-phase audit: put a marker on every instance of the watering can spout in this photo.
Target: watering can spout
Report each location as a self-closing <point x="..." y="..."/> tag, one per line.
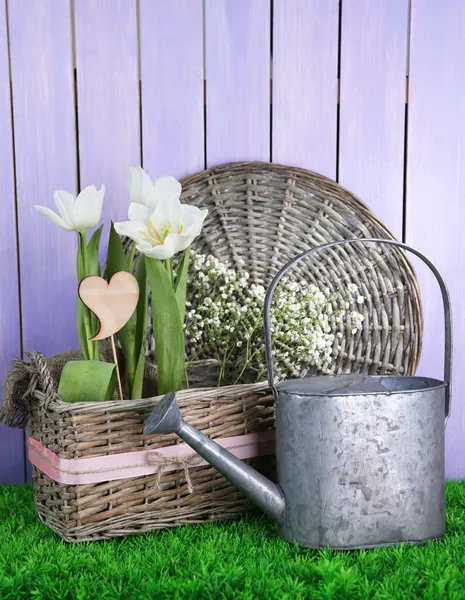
<point x="166" y="418"/>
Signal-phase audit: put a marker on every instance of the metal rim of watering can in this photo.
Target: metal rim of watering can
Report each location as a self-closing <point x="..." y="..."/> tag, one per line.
<point x="440" y="280"/>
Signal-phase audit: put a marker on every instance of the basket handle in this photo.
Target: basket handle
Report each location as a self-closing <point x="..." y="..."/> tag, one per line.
<point x="440" y="280"/>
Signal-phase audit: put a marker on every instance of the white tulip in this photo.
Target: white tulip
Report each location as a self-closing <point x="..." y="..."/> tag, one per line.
<point x="142" y="190"/>
<point x="162" y="232"/>
<point x="76" y="213"/>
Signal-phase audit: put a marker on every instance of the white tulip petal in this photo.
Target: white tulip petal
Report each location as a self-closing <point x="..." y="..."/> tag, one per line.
<point x="193" y="215"/>
<point x="139" y="212"/>
<point x="65" y="203"/>
<point x="179" y="242"/>
<point x="130" y="229"/>
<point x="166" y="213"/>
<point x="53" y="216"/>
<point x="155" y="231"/>
<point x="143" y="244"/>
<point x="161" y="252"/>
<point x="173" y="215"/>
<point x="141" y="190"/>
<point x="166" y="188"/>
<point x="88" y="208"/>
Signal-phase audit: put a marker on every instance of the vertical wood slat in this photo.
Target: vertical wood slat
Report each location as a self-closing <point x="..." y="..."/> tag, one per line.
<point x="436" y="188"/>
<point x="45" y="144"/>
<point x="372" y="104"/>
<point x="305" y="59"/>
<point x="108" y="100"/>
<point x="45" y="154"/>
<point x="237" y="38"/>
<point x="11" y="440"/>
<point x="171" y="55"/>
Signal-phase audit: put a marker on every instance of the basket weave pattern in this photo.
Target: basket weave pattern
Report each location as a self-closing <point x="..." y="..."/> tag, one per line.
<point x="127" y="506"/>
<point x="261" y="215"/>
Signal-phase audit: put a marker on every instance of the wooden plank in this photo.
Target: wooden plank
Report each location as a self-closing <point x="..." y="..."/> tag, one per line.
<point x="108" y="99"/>
<point x="238" y="80"/>
<point x="305" y="57"/>
<point x="11" y="440"/>
<point x="436" y="188"/>
<point x="45" y="153"/>
<point x="171" y="55"/>
<point x="45" y="144"/>
<point x="372" y="104"/>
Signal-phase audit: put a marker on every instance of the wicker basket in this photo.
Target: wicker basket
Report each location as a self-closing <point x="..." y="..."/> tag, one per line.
<point x="115" y="506"/>
<point x="263" y="214"/>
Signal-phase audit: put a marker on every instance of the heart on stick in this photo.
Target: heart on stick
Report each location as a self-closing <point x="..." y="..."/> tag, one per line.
<point x="112" y="303"/>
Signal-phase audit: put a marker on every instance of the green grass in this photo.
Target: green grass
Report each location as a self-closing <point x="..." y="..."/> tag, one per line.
<point x="220" y="560"/>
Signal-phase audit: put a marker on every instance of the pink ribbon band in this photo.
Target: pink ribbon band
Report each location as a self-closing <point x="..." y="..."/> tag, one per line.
<point x="80" y="471"/>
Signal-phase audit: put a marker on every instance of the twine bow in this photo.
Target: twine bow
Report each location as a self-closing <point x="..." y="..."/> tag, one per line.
<point x="192" y="460"/>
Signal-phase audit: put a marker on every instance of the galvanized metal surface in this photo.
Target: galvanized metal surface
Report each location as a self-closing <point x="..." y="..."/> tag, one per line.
<point x="361" y="470"/>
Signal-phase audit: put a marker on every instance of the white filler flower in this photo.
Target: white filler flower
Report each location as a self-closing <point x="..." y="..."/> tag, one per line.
<point x="159" y="224"/>
<point x="79" y="213"/>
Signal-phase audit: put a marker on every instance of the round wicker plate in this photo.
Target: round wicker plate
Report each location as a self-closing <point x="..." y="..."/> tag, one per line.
<point x="264" y="214"/>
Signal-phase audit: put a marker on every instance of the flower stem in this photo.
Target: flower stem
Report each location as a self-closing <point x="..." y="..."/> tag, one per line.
<point x="92" y="347"/>
<point x="169" y="270"/>
<point x="246" y="364"/>
<point x="85" y="261"/>
<point x="131" y="256"/>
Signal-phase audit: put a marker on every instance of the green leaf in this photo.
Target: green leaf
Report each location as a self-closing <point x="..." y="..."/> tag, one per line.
<point x="132" y="337"/>
<point x="116" y="258"/>
<point x="117" y="261"/>
<point x="81" y="328"/>
<point x="127" y="338"/>
<point x="140" y="315"/>
<point x="142" y="305"/>
<point x="181" y="283"/>
<point x="167" y="328"/>
<point x="92" y="252"/>
<point x="82" y="312"/>
<point x="87" y="381"/>
<point x="94" y="269"/>
<point x="138" y="378"/>
<point x="79" y="262"/>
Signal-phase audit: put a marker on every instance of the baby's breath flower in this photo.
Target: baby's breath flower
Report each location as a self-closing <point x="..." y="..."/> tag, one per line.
<point x="225" y="320"/>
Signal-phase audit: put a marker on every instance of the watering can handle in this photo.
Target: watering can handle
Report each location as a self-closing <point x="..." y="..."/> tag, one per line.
<point x="442" y="285"/>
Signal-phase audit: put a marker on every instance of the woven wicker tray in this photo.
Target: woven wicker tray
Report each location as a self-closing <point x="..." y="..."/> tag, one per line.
<point x="262" y="214"/>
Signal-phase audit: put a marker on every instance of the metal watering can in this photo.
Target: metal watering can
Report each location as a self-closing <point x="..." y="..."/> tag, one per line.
<point x="360" y="459"/>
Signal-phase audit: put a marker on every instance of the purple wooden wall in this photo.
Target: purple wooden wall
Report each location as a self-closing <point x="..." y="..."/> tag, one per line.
<point x="369" y="92"/>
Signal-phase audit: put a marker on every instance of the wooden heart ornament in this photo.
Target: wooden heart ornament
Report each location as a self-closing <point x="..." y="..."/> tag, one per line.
<point x="113" y="303"/>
